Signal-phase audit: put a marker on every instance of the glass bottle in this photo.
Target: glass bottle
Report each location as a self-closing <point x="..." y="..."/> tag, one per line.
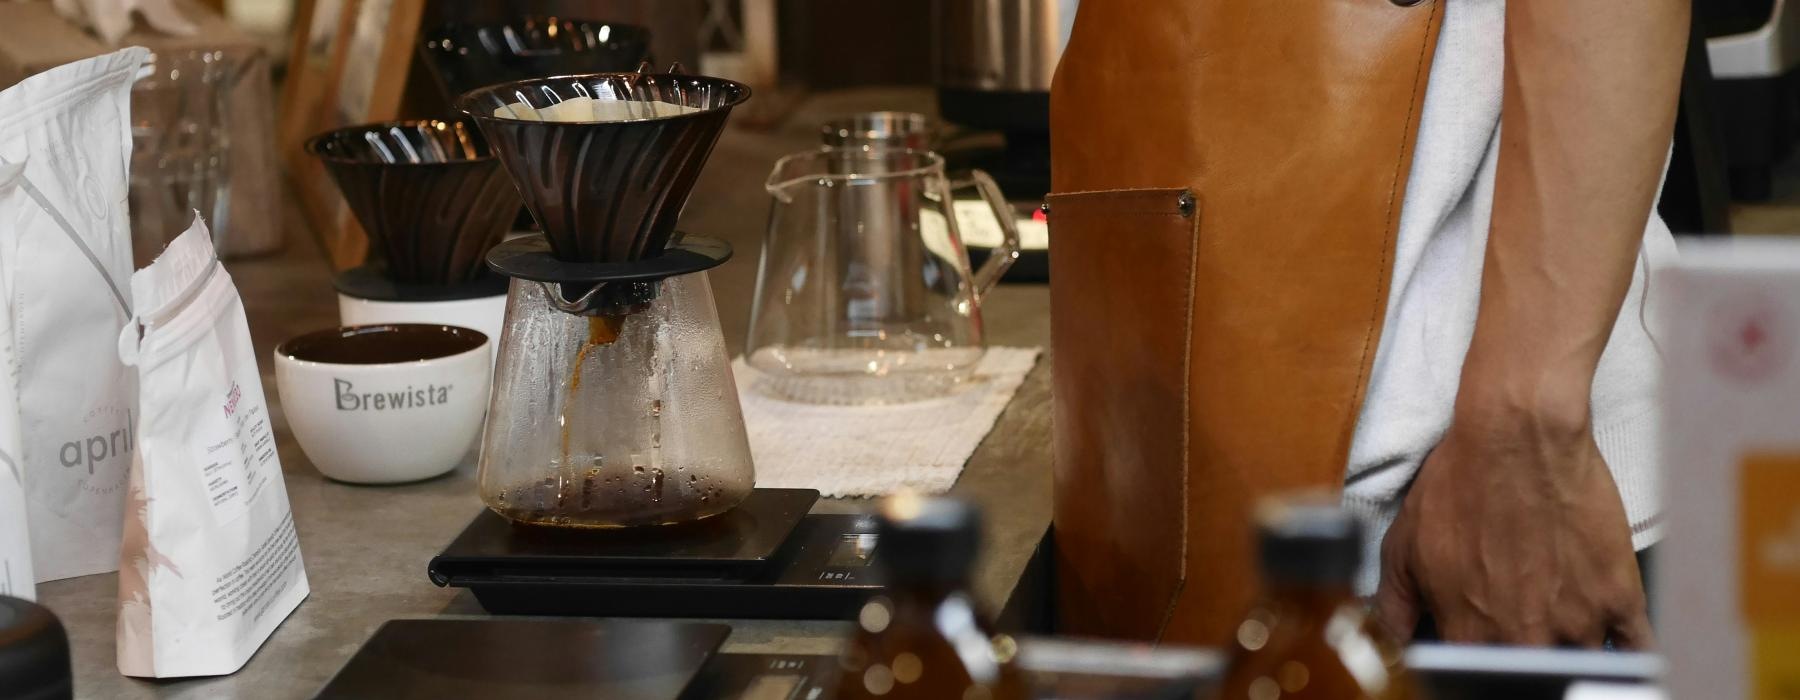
<point x="1310" y="637"/>
<point x="923" y="639"/>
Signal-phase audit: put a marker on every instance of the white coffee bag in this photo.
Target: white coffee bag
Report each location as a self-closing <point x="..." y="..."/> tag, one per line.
<point x="15" y="540"/>
<point x="210" y="564"/>
<point x="65" y="253"/>
<point x="1727" y="575"/>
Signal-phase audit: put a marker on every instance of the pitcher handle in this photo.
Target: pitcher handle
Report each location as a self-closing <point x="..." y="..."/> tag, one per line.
<point x="1003" y="257"/>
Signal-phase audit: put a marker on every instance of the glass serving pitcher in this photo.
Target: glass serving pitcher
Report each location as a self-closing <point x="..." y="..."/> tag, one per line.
<point x="614" y="421"/>
<point x="864" y="292"/>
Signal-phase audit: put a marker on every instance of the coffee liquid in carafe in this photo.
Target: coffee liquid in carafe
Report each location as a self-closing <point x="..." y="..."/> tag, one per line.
<point x="598" y="500"/>
<point x="616" y="370"/>
<point x="592" y="495"/>
<point x="590" y="491"/>
<point x="602" y="330"/>
<point x="1309" y="637"/>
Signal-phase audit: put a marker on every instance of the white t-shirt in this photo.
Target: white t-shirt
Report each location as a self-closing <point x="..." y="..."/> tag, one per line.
<point x="1437" y="286"/>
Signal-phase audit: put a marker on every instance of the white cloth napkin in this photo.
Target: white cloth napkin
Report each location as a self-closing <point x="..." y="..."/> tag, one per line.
<point x="861" y="451"/>
<point x="111" y="19"/>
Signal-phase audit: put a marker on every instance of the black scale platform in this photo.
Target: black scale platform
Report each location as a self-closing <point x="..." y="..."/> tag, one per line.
<point x="512" y="657"/>
<point x="500" y="659"/>
<point x="767" y="558"/>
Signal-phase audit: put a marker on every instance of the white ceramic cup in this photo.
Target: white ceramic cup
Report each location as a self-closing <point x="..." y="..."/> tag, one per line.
<point x="486" y="314"/>
<point x="385" y="404"/>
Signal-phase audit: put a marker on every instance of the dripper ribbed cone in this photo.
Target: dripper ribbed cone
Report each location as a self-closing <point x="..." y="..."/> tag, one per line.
<point x="468" y="55"/>
<point x="430" y="195"/>
<point x="605" y="161"/>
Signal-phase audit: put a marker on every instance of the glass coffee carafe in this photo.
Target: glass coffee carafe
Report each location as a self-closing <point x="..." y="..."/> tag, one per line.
<point x="623" y="421"/>
<point x="613" y="401"/>
<point x="864" y="293"/>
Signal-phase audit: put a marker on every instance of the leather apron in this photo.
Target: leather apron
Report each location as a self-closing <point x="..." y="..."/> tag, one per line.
<point x="1227" y="178"/>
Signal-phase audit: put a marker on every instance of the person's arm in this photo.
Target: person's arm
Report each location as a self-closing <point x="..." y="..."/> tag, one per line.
<point x="1514" y="531"/>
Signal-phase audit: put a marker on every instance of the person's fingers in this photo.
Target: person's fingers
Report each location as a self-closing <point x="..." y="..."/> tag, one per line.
<point x="1591" y="633"/>
<point x="1632" y="631"/>
<point x="1629" y="626"/>
<point x="1397" y="607"/>
<point x="1396" y="598"/>
<point x="1531" y="636"/>
<point x="1581" y="626"/>
<point x="1458" y="627"/>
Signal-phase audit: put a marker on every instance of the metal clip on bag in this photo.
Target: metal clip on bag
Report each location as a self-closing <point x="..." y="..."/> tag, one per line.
<point x="210" y="564"/>
<point x="1227" y="179"/>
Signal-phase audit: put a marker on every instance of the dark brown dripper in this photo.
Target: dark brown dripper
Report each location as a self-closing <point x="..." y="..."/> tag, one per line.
<point x="464" y="56"/>
<point x="430" y="195"/>
<point x="605" y="162"/>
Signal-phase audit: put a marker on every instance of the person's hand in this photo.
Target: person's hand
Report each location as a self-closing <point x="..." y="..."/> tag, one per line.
<point x="1514" y="534"/>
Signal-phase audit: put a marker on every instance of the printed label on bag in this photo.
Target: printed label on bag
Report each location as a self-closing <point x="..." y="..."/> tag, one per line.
<point x="1769" y="569"/>
<point x="1750" y="338"/>
<point x="1776" y="654"/>
<point x="1769" y="538"/>
<point x="255" y="439"/>
<point x="100" y="455"/>
<point x="235" y="464"/>
<point x="249" y="586"/>
<point x="224" y="479"/>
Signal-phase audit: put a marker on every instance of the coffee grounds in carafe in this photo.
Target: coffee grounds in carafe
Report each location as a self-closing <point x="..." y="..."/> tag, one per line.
<point x="645" y="496"/>
<point x="592" y="498"/>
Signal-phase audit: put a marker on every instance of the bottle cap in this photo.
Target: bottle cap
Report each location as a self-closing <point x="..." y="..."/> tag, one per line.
<point x="34" y="652"/>
<point x="927" y="540"/>
<point x="1309" y="541"/>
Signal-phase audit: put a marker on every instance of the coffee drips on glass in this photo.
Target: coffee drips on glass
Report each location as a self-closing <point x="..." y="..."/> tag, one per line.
<point x="612" y="467"/>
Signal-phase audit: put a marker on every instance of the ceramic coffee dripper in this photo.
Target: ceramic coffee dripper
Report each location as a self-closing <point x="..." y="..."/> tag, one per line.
<point x="613" y="404"/>
<point x="433" y="201"/>
<point x="466" y="56"/>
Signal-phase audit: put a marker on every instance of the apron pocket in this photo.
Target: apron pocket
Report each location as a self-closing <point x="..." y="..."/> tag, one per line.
<point x="1122" y="288"/>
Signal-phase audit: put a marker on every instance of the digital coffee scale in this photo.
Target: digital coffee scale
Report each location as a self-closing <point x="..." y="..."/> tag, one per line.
<point x="531" y="658"/>
<point x="767" y="558"/>
<point x="500" y="658"/>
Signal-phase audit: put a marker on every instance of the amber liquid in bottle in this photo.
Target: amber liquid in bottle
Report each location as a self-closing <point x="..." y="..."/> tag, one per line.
<point x="1304" y="643"/>
<point x="923" y="639"/>
<point x="1310" y="637"/>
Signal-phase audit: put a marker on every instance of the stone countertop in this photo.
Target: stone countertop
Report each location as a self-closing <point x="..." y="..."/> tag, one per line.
<point x="366" y="548"/>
